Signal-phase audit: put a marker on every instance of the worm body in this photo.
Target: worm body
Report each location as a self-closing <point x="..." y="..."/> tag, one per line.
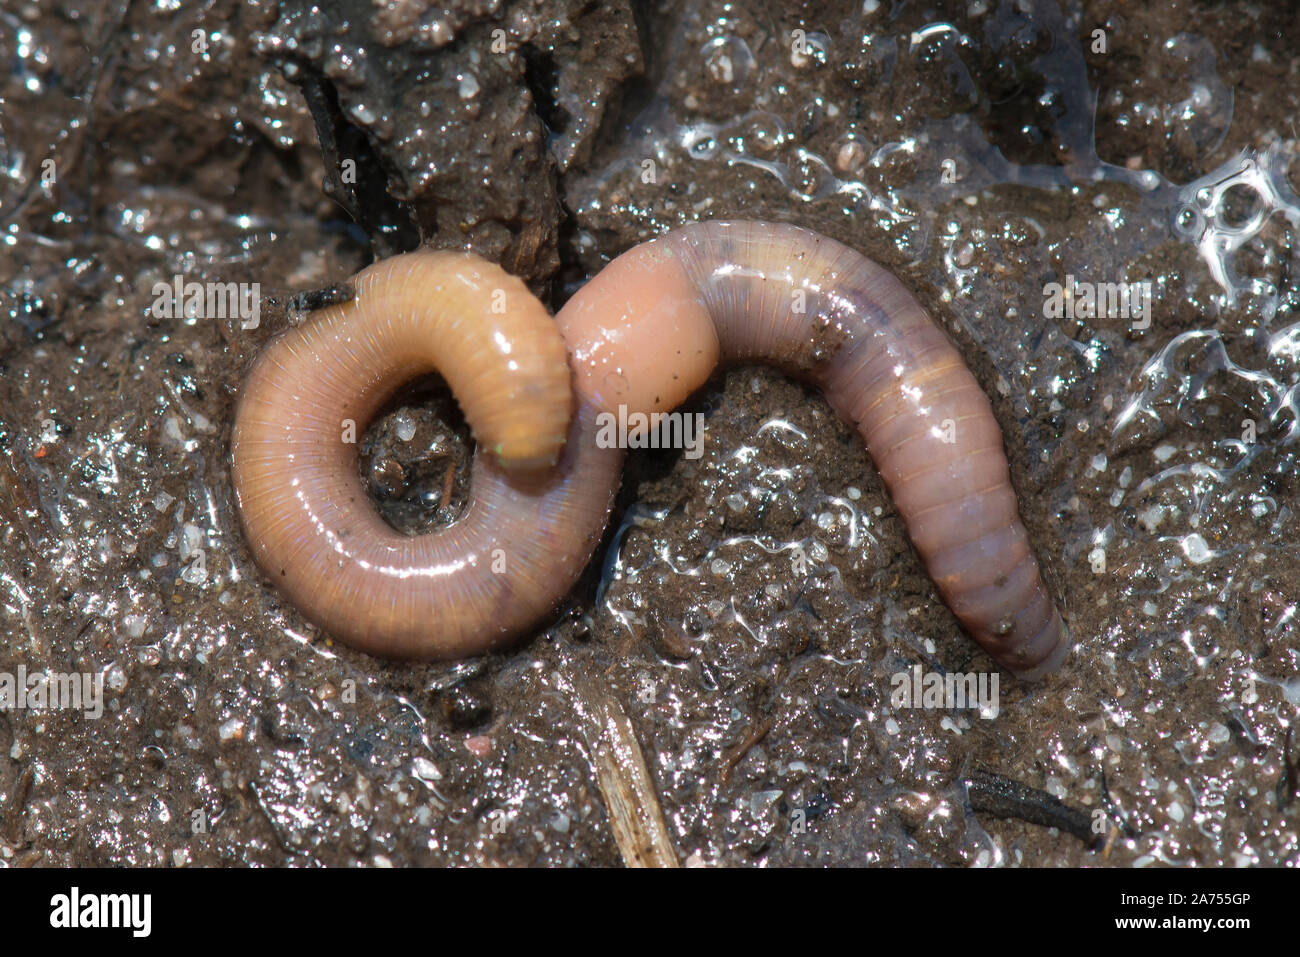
<point x="748" y="291"/>
<point x="313" y="530"/>
<point x="646" y="332"/>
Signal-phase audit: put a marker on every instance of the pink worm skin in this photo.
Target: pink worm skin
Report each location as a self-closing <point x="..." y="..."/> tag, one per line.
<point x="645" y="333"/>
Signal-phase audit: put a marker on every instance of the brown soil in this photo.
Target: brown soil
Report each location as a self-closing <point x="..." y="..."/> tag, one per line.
<point x="758" y="685"/>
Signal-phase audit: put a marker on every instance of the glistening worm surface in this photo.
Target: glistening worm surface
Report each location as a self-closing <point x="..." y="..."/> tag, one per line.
<point x="646" y="332"/>
<point x="305" y="511"/>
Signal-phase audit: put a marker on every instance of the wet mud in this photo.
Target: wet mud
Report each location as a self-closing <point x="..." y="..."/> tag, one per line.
<point x="749" y="610"/>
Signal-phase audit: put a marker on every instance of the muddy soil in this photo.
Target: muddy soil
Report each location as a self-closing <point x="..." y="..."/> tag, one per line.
<point x="748" y="610"/>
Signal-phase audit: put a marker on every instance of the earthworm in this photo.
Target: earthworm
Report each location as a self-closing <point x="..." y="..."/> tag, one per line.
<point x="643" y="334"/>
<point x="306" y="514"/>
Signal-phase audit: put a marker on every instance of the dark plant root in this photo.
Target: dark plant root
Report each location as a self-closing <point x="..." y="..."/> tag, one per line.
<point x="1003" y="798"/>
